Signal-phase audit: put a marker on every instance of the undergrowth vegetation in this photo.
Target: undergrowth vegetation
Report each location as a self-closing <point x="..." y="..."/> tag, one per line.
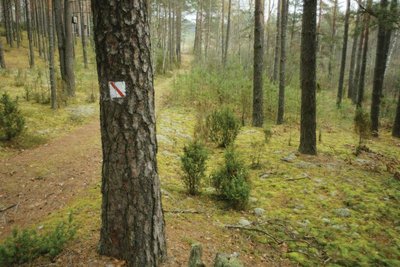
<point x="26" y="245"/>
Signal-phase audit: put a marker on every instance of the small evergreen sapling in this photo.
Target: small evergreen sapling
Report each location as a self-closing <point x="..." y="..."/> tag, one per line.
<point x="11" y="121"/>
<point x="194" y="165"/>
<point x="223" y="127"/>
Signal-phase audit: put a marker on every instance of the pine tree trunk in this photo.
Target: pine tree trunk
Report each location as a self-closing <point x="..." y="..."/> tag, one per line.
<point x="361" y="85"/>
<point x="228" y="29"/>
<point x="282" y="65"/>
<point x="258" y="110"/>
<point x="132" y="217"/>
<point x="222" y="29"/>
<point x="59" y="23"/>
<point x="53" y="83"/>
<point x="30" y="37"/>
<point x="351" y="86"/>
<point x="396" y="124"/>
<point x="17" y="22"/>
<point x="277" y="42"/>
<point x="2" y="60"/>
<point x="344" y="55"/>
<point x="178" y="32"/>
<point x="308" y="124"/>
<point x="382" y="51"/>
<point x="358" y="64"/>
<point x="332" y="41"/>
<point x="83" y="35"/>
<point x="69" y="49"/>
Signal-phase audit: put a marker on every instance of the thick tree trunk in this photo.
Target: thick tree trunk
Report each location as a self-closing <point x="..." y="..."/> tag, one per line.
<point x="396" y="124"/>
<point x="282" y="65"/>
<point x="83" y="34"/>
<point x="308" y="124"/>
<point x="258" y="110"/>
<point x="228" y="29"/>
<point x="2" y="60"/>
<point x="344" y="55"/>
<point x="382" y="50"/>
<point x="69" y="49"/>
<point x="53" y="83"/>
<point x="277" y="42"/>
<point x="356" y="33"/>
<point x="361" y="85"/>
<point x="30" y="37"/>
<point x="132" y="217"/>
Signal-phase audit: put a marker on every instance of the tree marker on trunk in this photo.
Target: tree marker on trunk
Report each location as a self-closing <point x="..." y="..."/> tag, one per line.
<point x="117" y="89"/>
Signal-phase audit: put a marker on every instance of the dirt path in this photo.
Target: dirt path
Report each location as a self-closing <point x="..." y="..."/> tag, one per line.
<point x="40" y="181"/>
<point x="43" y="180"/>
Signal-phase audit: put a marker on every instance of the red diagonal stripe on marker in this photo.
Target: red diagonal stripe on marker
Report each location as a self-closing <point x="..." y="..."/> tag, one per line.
<point x="117" y="89"/>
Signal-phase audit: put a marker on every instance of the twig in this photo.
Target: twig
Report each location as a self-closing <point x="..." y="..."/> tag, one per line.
<point x="183" y="211"/>
<point x="296" y="179"/>
<point x="255" y="230"/>
<point x="9" y="207"/>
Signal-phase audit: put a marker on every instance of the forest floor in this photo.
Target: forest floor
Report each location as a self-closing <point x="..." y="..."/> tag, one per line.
<point x="333" y="208"/>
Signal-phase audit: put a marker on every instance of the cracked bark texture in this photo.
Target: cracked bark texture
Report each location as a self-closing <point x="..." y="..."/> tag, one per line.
<point x="132" y="217"/>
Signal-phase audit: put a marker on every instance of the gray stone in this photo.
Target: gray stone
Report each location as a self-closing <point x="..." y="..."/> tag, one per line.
<point x="326" y="220"/>
<point x="289" y="158"/>
<point x="226" y="260"/>
<point x="343" y="212"/>
<point x="259" y="211"/>
<point x="244" y="222"/>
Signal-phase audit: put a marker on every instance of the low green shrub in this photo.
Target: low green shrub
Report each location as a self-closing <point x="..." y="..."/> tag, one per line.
<point x="231" y="181"/>
<point x="194" y="165"/>
<point x="11" y="121"/>
<point x="362" y="125"/>
<point x="223" y="127"/>
<point x="26" y="245"/>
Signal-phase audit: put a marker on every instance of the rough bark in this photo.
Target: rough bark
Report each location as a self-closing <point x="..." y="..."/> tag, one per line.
<point x="17" y="22"/>
<point x="308" y="123"/>
<point x="53" y="83"/>
<point x="332" y="41"/>
<point x="358" y="65"/>
<point x="277" y="42"/>
<point x="282" y="65"/>
<point x="132" y="217"/>
<point x="30" y="36"/>
<point x="258" y="110"/>
<point x="344" y="55"/>
<point x="59" y="23"/>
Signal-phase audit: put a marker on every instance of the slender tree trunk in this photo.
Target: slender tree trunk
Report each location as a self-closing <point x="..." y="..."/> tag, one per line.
<point x="208" y="29"/>
<point x="59" y="23"/>
<point x="282" y="65"/>
<point x="222" y="29"/>
<point x="332" y="41"/>
<point x="356" y="33"/>
<point x="277" y="42"/>
<point x="8" y="22"/>
<point x="308" y="123"/>
<point x="228" y="29"/>
<point x="17" y="22"/>
<point x="358" y="63"/>
<point x="382" y="50"/>
<point x="53" y="83"/>
<point x="83" y="35"/>
<point x="69" y="49"/>
<point x="38" y="28"/>
<point x="178" y="32"/>
<point x="294" y="20"/>
<point x="396" y="124"/>
<point x="361" y="85"/>
<point x="258" y="101"/>
<point x="344" y="55"/>
<point x="2" y="60"/>
<point x="132" y="217"/>
<point x="30" y="38"/>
